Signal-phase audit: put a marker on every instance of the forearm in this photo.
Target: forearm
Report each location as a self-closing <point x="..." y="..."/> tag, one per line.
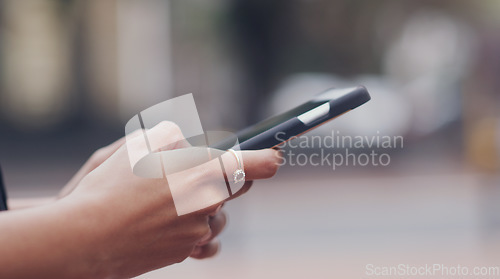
<point x="50" y="241"/>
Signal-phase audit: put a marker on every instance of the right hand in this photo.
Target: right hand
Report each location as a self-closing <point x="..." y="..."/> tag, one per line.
<point x="131" y="223"/>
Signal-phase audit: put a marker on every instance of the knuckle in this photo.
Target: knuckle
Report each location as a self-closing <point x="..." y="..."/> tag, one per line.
<point x="168" y="133"/>
<point x="98" y="155"/>
<point x="222" y="217"/>
<point x="170" y="127"/>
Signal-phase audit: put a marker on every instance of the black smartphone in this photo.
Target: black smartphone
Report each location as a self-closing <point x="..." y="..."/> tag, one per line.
<point x="281" y="128"/>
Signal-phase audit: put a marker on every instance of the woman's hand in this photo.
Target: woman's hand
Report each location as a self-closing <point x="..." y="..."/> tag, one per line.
<point x="132" y="221"/>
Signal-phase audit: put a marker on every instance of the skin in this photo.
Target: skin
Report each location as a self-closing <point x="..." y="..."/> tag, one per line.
<point x="109" y="223"/>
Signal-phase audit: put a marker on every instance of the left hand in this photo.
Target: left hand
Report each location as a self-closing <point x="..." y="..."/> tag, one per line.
<point x="208" y="247"/>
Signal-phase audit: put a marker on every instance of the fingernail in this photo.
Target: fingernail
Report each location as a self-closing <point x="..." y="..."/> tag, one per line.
<point x="216" y="211"/>
<point x="205" y="239"/>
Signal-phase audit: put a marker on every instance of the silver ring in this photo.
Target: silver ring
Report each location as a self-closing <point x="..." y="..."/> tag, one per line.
<point x="239" y="173"/>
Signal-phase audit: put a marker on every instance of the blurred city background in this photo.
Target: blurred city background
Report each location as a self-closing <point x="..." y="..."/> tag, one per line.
<point x="72" y="72"/>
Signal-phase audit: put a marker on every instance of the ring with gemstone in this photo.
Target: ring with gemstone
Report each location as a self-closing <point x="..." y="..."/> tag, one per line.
<point x="239" y="173"/>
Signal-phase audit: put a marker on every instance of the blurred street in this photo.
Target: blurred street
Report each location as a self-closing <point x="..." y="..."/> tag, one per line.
<point x="332" y="226"/>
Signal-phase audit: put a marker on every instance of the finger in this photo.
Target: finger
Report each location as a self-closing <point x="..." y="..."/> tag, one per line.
<point x="206" y="251"/>
<point x="208" y="184"/>
<point x="258" y="164"/>
<point x="141" y="143"/>
<point x="245" y="188"/>
<point x="217" y="224"/>
<point x="219" y="208"/>
<point x="104" y="153"/>
<point x="112" y="148"/>
<point x="166" y="135"/>
<point x="209" y="210"/>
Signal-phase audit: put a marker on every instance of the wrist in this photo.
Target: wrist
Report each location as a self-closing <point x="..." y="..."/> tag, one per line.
<point x="85" y="232"/>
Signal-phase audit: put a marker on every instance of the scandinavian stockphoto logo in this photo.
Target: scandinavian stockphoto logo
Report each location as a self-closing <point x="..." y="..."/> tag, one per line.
<point x="157" y="150"/>
<point x="337" y="150"/>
